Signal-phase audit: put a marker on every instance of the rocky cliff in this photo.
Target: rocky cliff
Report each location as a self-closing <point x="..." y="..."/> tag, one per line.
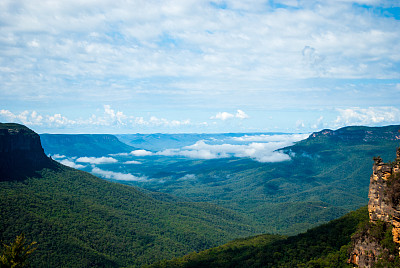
<point x="369" y="245"/>
<point x="21" y="153"/>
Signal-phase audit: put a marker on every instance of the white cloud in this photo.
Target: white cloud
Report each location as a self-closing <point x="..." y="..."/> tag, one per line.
<point x="141" y="153"/>
<point x="225" y="115"/>
<point x="25" y="117"/>
<point x="158" y="55"/>
<point x="266" y="151"/>
<point x="70" y="163"/>
<point x="97" y="160"/>
<point x="368" y="116"/>
<point x="35" y="119"/>
<point x="59" y="120"/>
<point x="240" y="114"/>
<point x="110" y="117"/>
<point x="117" y="175"/>
<point x="58" y="156"/>
<point x="132" y="162"/>
<point x="222" y="116"/>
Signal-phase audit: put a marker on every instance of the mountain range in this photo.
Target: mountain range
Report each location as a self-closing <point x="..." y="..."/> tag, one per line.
<point x="322" y="180"/>
<point x="79" y="220"/>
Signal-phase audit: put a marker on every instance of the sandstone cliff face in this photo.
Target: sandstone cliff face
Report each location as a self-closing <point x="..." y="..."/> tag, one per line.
<point x="20" y="152"/>
<point x="383" y="207"/>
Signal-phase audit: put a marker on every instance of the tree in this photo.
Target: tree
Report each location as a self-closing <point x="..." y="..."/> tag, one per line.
<point x="16" y="254"/>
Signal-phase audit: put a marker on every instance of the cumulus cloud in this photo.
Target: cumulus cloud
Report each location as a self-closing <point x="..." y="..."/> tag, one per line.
<point x="367" y="116"/>
<point x="141" y="153"/>
<point x="32" y="118"/>
<point x="97" y="160"/>
<point x="25" y="117"/>
<point x="225" y="115"/>
<point x="109" y="117"/>
<point x="222" y="116"/>
<point x="58" y="156"/>
<point x="117" y="175"/>
<point x="70" y="163"/>
<point x="266" y="151"/>
<point x="240" y="114"/>
<point x="134" y="162"/>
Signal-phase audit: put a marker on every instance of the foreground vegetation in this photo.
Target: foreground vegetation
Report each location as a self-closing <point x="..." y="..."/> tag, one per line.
<point x="79" y="220"/>
<point x="324" y="246"/>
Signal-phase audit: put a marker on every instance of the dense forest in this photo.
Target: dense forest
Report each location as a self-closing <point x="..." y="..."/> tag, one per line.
<point x="323" y="246"/>
<point x="79" y="220"/>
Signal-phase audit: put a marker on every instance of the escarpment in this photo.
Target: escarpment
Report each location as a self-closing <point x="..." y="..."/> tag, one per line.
<point x="21" y="152"/>
<point x="371" y="243"/>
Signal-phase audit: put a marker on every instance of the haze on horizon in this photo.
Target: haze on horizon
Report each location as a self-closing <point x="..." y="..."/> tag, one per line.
<point x="103" y="66"/>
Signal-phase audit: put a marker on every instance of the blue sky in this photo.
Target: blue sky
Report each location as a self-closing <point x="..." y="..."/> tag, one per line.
<point x="100" y="66"/>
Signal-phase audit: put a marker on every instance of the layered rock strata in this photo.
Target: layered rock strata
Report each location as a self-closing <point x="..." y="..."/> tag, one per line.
<point x="383" y="206"/>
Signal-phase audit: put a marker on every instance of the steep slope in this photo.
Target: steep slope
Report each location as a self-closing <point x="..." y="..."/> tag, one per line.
<point x="378" y="242"/>
<point x="79" y="220"/>
<point x="83" y="144"/>
<point x="322" y="246"/>
<point x="20" y="152"/>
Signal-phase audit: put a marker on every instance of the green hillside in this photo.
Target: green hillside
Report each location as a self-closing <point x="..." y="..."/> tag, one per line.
<point x="322" y="246"/>
<point x="79" y="220"/>
<point x="327" y="176"/>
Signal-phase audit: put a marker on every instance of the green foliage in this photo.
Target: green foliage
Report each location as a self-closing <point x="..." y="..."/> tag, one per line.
<point x="80" y="220"/>
<point x="323" y="246"/>
<point x="16" y="254"/>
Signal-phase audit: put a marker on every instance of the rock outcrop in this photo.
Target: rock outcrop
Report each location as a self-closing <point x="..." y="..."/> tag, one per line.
<point x="21" y="153"/>
<point x="384" y="212"/>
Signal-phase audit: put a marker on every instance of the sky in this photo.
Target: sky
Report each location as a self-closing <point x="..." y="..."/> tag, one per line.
<point x="100" y="66"/>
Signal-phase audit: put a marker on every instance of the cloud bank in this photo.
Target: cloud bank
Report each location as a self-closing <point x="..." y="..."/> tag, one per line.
<point x="116" y="175"/>
<point x="367" y="116"/>
<point x="71" y="163"/>
<point x="132" y="162"/>
<point x="259" y="151"/>
<point x="97" y="160"/>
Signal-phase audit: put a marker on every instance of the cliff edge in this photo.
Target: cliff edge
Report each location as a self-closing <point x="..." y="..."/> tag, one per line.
<point x="21" y="153"/>
<point x="371" y="244"/>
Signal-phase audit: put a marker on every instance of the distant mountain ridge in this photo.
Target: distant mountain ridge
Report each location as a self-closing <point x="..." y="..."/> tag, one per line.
<point x="359" y="133"/>
<point x="83" y="144"/>
<point x="159" y="141"/>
